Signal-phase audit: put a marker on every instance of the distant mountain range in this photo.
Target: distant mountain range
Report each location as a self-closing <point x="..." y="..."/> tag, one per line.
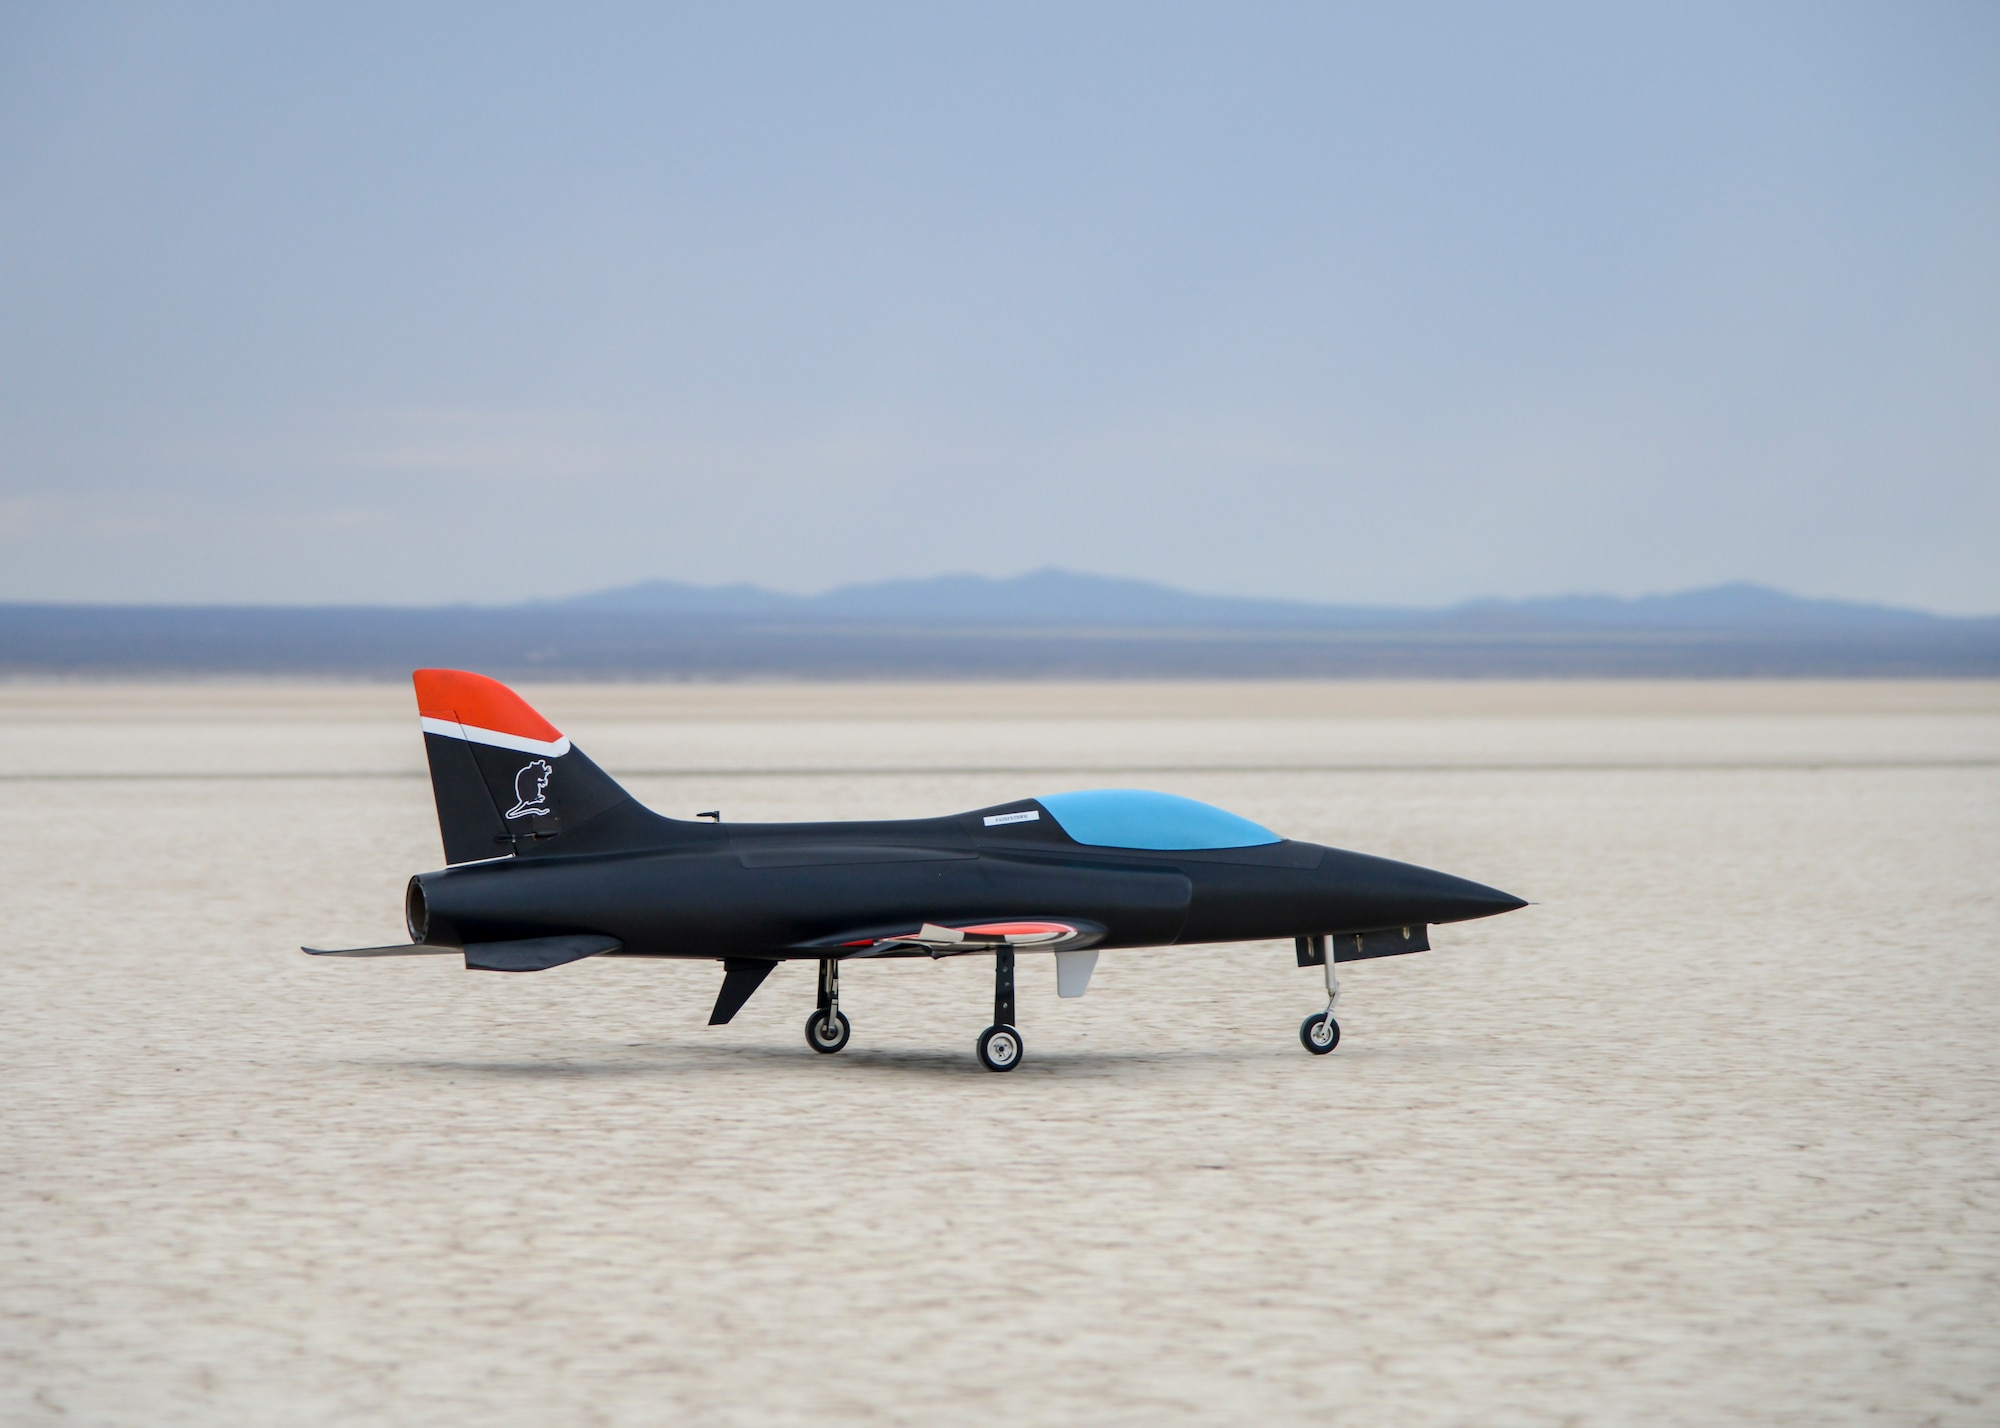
<point x="1050" y="624"/>
<point x="1065" y="598"/>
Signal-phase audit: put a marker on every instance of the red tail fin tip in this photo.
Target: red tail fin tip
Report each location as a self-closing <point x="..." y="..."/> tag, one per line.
<point x="461" y="705"/>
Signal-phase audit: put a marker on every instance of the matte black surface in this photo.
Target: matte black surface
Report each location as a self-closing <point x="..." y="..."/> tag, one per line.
<point x="535" y="954"/>
<point x="667" y="888"/>
<point x="467" y="820"/>
<point x="1382" y="942"/>
<point x="1003" y="988"/>
<point x="550" y="861"/>
<point x="741" y="976"/>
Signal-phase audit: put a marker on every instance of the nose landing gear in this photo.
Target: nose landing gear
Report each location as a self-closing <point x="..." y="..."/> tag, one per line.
<point x="1320" y="1033"/>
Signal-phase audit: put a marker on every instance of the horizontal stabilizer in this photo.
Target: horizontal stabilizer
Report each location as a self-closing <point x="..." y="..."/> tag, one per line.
<point x="536" y="954"/>
<point x="401" y="949"/>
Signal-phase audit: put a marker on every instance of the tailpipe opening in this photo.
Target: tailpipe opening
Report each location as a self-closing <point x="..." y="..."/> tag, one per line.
<point x="416" y="911"/>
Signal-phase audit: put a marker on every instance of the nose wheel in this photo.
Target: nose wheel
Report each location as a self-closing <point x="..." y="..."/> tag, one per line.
<point x="1320" y="1033"/>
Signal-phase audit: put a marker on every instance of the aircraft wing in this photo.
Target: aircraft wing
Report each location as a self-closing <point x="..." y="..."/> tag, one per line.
<point x="949" y="939"/>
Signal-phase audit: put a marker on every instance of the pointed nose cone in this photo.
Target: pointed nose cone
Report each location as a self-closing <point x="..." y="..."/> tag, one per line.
<point x="1464" y="899"/>
<point x="1384" y="893"/>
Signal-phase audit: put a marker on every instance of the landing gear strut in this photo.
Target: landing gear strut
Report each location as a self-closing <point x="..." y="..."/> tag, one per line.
<point x="1320" y="1033"/>
<point x="827" y="1029"/>
<point x="1000" y="1045"/>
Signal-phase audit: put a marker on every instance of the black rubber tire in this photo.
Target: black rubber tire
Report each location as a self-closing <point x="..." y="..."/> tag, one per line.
<point x="1001" y="1048"/>
<point x="1316" y="1022"/>
<point x="817" y="1022"/>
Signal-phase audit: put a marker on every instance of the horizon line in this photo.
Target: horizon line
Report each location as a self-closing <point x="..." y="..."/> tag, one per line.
<point x="556" y="603"/>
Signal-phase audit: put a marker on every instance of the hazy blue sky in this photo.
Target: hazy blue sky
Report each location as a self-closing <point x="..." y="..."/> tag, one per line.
<point x="1402" y="303"/>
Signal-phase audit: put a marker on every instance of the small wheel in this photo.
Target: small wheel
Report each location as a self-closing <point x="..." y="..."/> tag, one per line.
<point x="1000" y="1048"/>
<point x="827" y="1039"/>
<point x="1319" y="1033"/>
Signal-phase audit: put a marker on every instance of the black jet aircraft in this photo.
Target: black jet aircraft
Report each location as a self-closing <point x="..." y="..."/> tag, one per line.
<point x="550" y="861"/>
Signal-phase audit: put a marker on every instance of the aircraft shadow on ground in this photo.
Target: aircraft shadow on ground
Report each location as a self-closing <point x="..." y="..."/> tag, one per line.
<point x="668" y="1060"/>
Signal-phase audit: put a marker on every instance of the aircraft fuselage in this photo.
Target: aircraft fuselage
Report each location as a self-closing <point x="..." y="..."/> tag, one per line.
<point x="784" y="890"/>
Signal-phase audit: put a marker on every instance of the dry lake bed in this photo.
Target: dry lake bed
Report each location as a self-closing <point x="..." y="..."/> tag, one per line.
<point x="1710" y="1134"/>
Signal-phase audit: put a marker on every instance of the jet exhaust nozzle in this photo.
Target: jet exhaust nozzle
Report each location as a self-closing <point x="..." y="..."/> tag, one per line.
<point x="416" y="910"/>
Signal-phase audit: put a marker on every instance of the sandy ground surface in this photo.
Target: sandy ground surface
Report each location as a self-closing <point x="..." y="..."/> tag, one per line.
<point x="1708" y="1135"/>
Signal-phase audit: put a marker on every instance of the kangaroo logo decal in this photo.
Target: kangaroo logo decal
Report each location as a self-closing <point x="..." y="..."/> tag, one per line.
<point x="531" y="784"/>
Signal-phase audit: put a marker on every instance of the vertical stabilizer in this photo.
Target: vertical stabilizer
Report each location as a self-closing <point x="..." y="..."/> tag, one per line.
<point x="506" y="780"/>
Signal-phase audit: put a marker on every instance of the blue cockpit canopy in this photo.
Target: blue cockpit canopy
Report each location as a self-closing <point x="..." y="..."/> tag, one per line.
<point x="1136" y="818"/>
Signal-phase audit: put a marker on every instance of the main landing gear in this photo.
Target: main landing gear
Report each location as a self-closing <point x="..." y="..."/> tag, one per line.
<point x="1320" y="1033"/>
<point x="1000" y="1045"/>
<point x="827" y="1029"/>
